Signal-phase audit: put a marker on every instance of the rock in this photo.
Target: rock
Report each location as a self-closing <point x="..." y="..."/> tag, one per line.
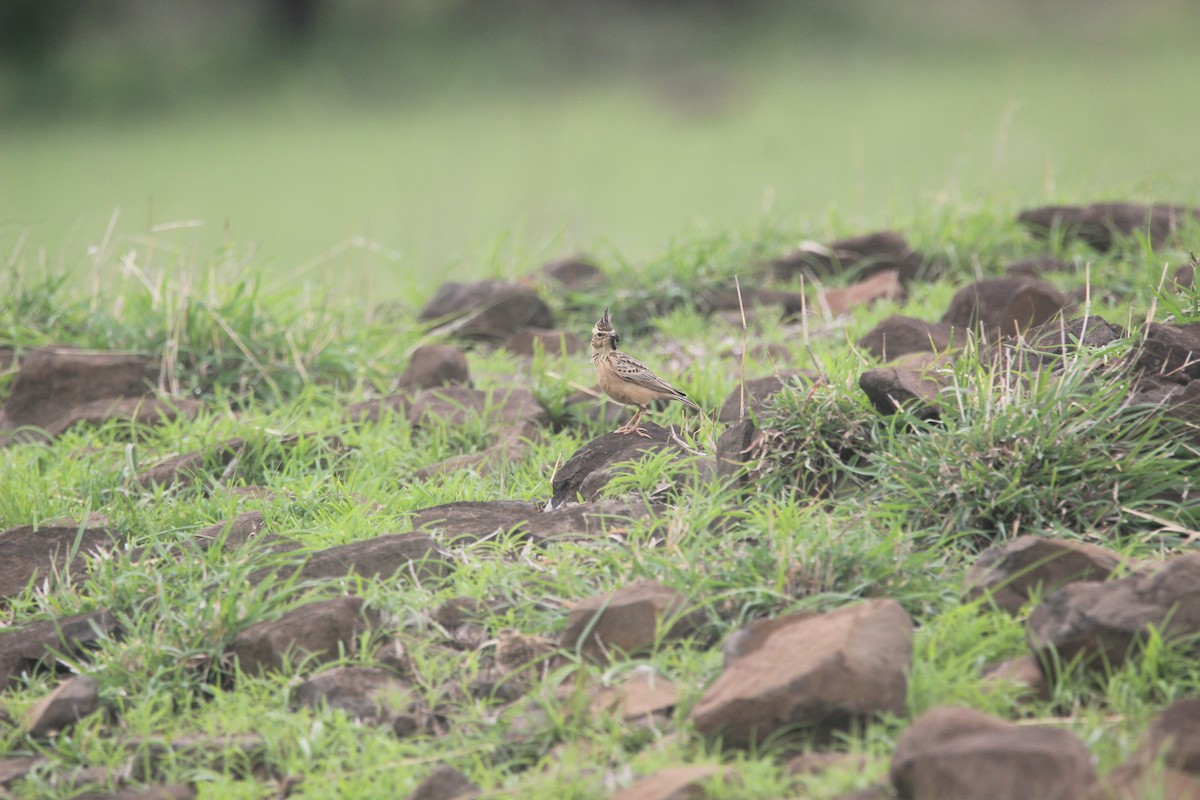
<point x="1172" y="351"/>
<point x="1176" y="401"/>
<point x="38" y="644"/>
<point x="15" y="768"/>
<point x="592" y="466"/>
<point x="573" y="274"/>
<point x="1184" y="277"/>
<point x="311" y="634"/>
<point x="678" y="783"/>
<point x="71" y="701"/>
<point x="435" y="365"/>
<point x="1011" y="573"/>
<point x="553" y="343"/>
<point x="818" y="761"/>
<point x="523" y="659"/>
<point x="821" y="672"/>
<point x="241" y="755"/>
<point x="629" y="620"/>
<point x="54" y="381"/>
<point x="1101" y="622"/>
<point x="1025" y="672"/>
<point x="173" y="791"/>
<point x="232" y="533"/>
<point x="219" y="464"/>
<point x="750" y="299"/>
<point x="486" y="309"/>
<point x="1100" y="224"/>
<point x="1004" y="306"/>
<point x="1036" y="266"/>
<point x="759" y="391"/>
<point x="369" y="412"/>
<point x="644" y="696"/>
<point x="473" y="520"/>
<point x="1174" y="737"/>
<point x="914" y="382"/>
<point x="896" y="336"/>
<point x="1060" y="339"/>
<point x="414" y="555"/>
<point x="1135" y="782"/>
<point x="733" y="450"/>
<point x="957" y="752"/>
<point x="444" y="783"/>
<point x="880" y="286"/>
<point x="864" y="256"/>
<point x="145" y="411"/>
<point x="367" y="694"/>
<point x="47" y="554"/>
<point x="456" y="406"/>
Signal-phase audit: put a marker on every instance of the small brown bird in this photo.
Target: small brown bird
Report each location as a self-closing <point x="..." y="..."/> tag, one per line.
<point x="627" y="380"/>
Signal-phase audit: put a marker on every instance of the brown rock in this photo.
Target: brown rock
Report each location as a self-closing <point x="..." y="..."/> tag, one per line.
<point x="71" y="701"/>
<point x="371" y="411"/>
<point x="678" y="783"/>
<point x="312" y="634"/>
<point x="414" y="555"/>
<point x="644" y="695"/>
<point x="573" y="274"/>
<point x="45" y="554"/>
<point x="15" y="768"/>
<point x="1100" y="224"/>
<point x="818" y="761"/>
<point x="435" y="365"/>
<point x="1011" y="573"/>
<point x="486" y="309"/>
<point x="240" y="754"/>
<point x="757" y="393"/>
<point x="956" y="752"/>
<point x="173" y="791"/>
<point x="511" y="445"/>
<point x="37" y="644"/>
<point x="53" y="381"/>
<point x="864" y="256"/>
<point x="592" y="466"/>
<point x="1135" y="782"/>
<point x="553" y="343"/>
<point x="1025" y="672"/>
<point x="1004" y="306"/>
<point x="456" y="406"/>
<point x="914" y="382"/>
<point x="1172" y="351"/>
<point x="367" y="694"/>
<point x="1101" y="622"/>
<point x="750" y="299"/>
<point x="145" y="411"/>
<point x="1036" y="266"/>
<point x="187" y="468"/>
<point x="444" y="783"/>
<point x="896" y="336"/>
<point x="733" y="448"/>
<point x="1174" y="737"/>
<point x="629" y="620"/>
<point x="232" y="533"/>
<point x="822" y="672"/>
<point x="477" y="519"/>
<point x="883" y="285"/>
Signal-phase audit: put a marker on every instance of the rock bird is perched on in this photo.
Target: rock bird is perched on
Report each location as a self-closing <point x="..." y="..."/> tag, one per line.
<point x="627" y="380"/>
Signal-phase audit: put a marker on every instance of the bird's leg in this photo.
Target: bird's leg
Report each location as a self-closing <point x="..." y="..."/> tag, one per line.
<point x="632" y="426"/>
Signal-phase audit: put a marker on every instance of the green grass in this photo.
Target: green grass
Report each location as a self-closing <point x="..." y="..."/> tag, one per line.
<point x="903" y="507"/>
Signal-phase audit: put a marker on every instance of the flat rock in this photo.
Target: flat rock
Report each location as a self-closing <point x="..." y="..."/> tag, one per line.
<point x="242" y="755"/>
<point x="36" y="644"/>
<point x="414" y="555"/>
<point x="1035" y="266"/>
<point x="915" y="382"/>
<point x="1024" y="672"/>
<point x="369" y="412"/>
<point x="41" y="554"/>
<point x="896" y="336"/>
<point x="366" y="694"/>
<point x="510" y="446"/>
<point x="863" y="256"/>
<point x="489" y="309"/>
<point x="1101" y="224"/>
<point x="473" y="520"/>
<point x="592" y="466"/>
<point x="1173" y="737"/>
<point x="820" y="672"/>
<point x="1011" y="573"/>
<point x="643" y="696"/>
<point x="172" y="791"/>
<point x="1172" y="351"/>
<point x="1102" y="622"/>
<point x="554" y="343"/>
<point x="836" y="301"/>
<point x="958" y="752"/>
<point x="1004" y="306"/>
<point x="144" y="411"/>
<point x="444" y="783"/>
<point x="311" y="634"/>
<point x="53" y="381"/>
<point x="71" y="701"/>
<point x="1137" y="782"/>
<point x="15" y="768"/>
<point x="435" y="365"/>
<point x="749" y="299"/>
<point x="573" y="274"/>
<point x="629" y="620"/>
<point x="753" y="397"/>
<point x="218" y="463"/>
<point x="456" y="406"/>
<point x="678" y="783"/>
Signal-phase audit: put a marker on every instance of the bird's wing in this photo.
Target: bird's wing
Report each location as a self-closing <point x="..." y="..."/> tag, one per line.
<point x="634" y="371"/>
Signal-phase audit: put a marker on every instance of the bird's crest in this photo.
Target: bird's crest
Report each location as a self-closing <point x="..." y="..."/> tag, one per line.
<point x="605" y="323"/>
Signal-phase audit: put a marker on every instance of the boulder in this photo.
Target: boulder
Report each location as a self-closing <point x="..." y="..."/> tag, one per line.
<point x="489" y="309"/>
<point x="1010" y="574"/>
<point x="629" y="620"/>
<point x="311" y="634"/>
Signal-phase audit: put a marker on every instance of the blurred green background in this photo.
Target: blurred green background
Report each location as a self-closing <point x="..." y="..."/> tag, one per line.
<point x="378" y="148"/>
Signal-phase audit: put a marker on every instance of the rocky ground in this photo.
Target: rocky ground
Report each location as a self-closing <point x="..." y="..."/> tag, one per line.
<point x="793" y="686"/>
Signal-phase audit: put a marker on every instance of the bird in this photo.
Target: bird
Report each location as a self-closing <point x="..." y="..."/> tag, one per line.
<point x="627" y="380"/>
